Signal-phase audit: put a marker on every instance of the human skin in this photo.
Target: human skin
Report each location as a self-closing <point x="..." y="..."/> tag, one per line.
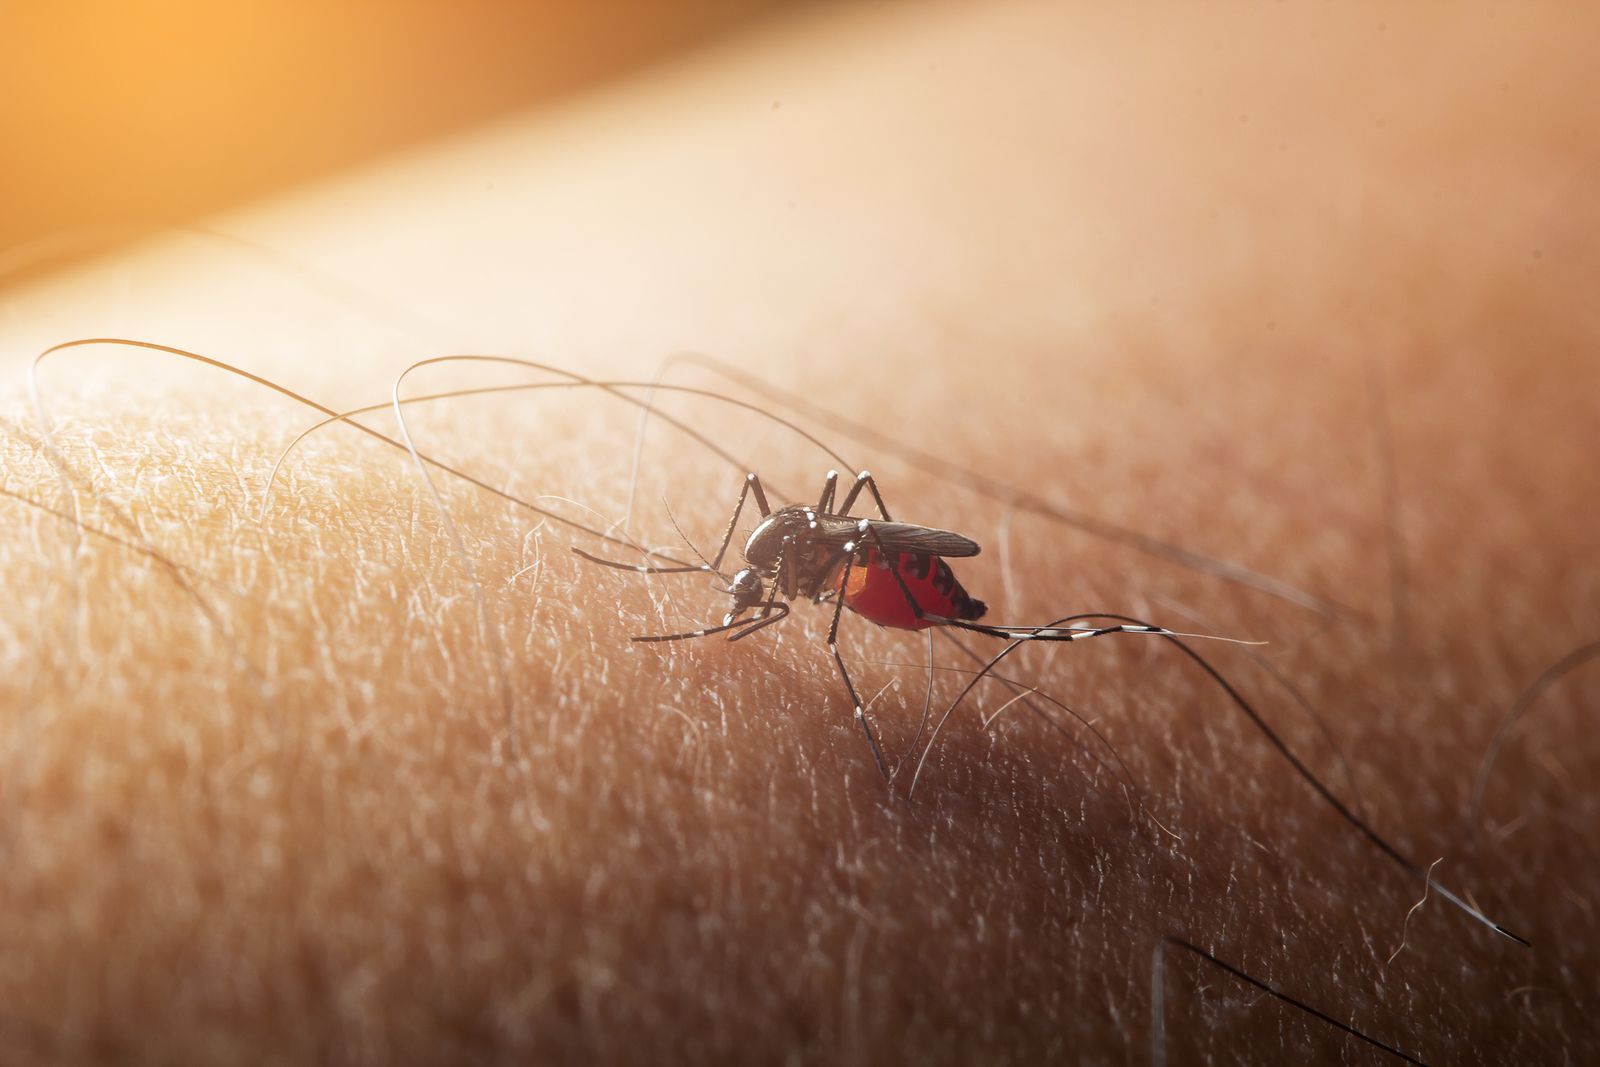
<point x="334" y="785"/>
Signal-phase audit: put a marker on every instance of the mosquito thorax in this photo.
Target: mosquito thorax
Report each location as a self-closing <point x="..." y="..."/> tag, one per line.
<point x="766" y="541"/>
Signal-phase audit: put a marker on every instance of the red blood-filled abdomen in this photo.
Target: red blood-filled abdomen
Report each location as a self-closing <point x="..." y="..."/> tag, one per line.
<point x="873" y="593"/>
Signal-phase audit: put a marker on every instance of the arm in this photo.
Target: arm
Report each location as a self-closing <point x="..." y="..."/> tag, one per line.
<point x="263" y="797"/>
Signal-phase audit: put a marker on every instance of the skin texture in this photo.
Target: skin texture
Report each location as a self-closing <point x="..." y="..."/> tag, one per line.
<point x="346" y="785"/>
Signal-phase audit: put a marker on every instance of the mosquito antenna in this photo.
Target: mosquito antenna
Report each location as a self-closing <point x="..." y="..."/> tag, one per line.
<point x="1552" y="674"/>
<point x="692" y="547"/>
<point x="1158" y="1001"/>
<point x="1019" y="498"/>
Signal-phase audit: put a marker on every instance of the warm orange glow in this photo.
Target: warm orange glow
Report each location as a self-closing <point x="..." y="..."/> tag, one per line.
<point x="121" y="115"/>
<point x="352" y="759"/>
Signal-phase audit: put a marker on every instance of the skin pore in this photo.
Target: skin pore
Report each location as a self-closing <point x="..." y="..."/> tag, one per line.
<point x="262" y="797"/>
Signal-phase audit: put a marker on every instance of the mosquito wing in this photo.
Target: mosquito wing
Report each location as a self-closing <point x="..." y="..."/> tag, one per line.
<point x="909" y="537"/>
<point x="895" y="537"/>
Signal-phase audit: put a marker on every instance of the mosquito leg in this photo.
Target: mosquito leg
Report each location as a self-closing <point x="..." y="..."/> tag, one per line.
<point x="1025" y="500"/>
<point x="1049" y="633"/>
<point x="865" y="480"/>
<point x="689" y="635"/>
<point x="988" y="668"/>
<point x="868" y="532"/>
<point x="752" y="485"/>
<point x="754" y="482"/>
<point x="830" y="485"/>
<point x="779" y="611"/>
<point x="1057" y="631"/>
<point x="833" y="646"/>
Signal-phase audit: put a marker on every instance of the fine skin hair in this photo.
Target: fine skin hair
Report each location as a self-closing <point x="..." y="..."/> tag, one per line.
<point x="720" y="819"/>
<point x="363" y="771"/>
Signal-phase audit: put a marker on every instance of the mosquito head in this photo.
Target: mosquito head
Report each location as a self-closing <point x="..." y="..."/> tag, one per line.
<point x="748" y="590"/>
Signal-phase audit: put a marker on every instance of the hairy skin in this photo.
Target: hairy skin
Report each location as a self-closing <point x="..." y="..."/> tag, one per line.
<point x="262" y="804"/>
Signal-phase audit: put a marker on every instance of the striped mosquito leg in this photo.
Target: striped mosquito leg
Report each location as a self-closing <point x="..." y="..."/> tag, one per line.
<point x="833" y="646"/>
<point x="864" y="480"/>
<point x="1051" y="633"/>
<point x="689" y="635"/>
<point x="830" y="485"/>
<point x="751" y="486"/>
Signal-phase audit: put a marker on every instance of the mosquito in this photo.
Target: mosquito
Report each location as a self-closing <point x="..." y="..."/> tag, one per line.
<point x="896" y="575"/>
<point x="891" y="573"/>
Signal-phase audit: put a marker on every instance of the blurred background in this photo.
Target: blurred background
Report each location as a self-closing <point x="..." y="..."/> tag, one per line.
<point x="123" y="118"/>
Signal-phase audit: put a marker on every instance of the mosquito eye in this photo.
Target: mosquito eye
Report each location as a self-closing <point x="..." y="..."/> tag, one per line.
<point x="746" y="585"/>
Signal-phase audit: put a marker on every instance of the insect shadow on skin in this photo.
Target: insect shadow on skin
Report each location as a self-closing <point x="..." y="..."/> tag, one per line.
<point x="835" y="576"/>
